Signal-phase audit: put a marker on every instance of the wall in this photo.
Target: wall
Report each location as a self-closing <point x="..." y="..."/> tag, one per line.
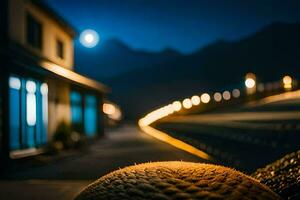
<point x="58" y="105"/>
<point x="51" y="31"/>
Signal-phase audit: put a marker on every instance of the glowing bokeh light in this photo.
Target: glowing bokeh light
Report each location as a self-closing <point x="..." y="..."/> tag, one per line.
<point x="250" y="83"/>
<point x="236" y="93"/>
<point x="89" y="38"/>
<point x="226" y="95"/>
<point x="109" y="109"/>
<point x="176" y="105"/>
<point x="218" y="97"/>
<point x="205" y="98"/>
<point x="187" y="103"/>
<point x="195" y="100"/>
<point x="14" y="83"/>
<point x="287" y="82"/>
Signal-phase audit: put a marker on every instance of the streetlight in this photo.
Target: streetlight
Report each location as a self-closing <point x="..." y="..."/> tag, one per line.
<point x="187" y="103"/>
<point x="205" y="98"/>
<point x="218" y="97"/>
<point x="250" y="83"/>
<point x="176" y="106"/>
<point x="287" y="82"/>
<point x="226" y="95"/>
<point x="195" y="100"/>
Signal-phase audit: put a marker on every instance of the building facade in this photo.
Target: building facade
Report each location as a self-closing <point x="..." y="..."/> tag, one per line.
<point x="39" y="89"/>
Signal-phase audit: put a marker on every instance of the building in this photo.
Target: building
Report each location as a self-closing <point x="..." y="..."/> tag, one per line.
<point x="38" y="87"/>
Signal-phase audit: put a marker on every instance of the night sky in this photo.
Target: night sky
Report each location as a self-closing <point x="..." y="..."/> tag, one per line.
<point x="185" y="25"/>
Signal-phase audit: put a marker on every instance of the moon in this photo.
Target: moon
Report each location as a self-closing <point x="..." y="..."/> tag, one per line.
<point x="89" y="38"/>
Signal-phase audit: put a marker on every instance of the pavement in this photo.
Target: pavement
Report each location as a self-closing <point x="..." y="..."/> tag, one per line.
<point x="64" y="178"/>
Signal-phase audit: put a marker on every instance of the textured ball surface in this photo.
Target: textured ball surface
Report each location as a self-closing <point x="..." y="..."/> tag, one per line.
<point x="176" y="180"/>
<point x="282" y="176"/>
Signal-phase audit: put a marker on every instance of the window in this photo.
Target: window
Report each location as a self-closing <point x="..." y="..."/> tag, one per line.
<point x="90" y="115"/>
<point x="14" y="112"/>
<point x="76" y="110"/>
<point x="34" y="32"/>
<point x="28" y="113"/>
<point x="60" y="49"/>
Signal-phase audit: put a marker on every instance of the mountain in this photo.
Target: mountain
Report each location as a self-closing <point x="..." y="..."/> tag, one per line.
<point x="270" y="53"/>
<point x="114" y="58"/>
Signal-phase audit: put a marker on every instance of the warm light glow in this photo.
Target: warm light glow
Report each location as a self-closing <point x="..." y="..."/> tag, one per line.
<point x="108" y="108"/>
<point x="117" y="115"/>
<point x="250" y="83"/>
<point x="218" y="97"/>
<point x="226" y="95"/>
<point x="156" y="115"/>
<point x="176" y="106"/>
<point x="89" y="38"/>
<point x="112" y="111"/>
<point x="287" y="82"/>
<point x="205" y="98"/>
<point x="187" y="103"/>
<point x="14" y="83"/>
<point x="195" y="100"/>
<point x="173" y="141"/>
<point x="236" y="93"/>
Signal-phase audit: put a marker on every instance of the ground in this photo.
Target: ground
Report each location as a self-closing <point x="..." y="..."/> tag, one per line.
<point x="245" y="137"/>
<point x="64" y="178"/>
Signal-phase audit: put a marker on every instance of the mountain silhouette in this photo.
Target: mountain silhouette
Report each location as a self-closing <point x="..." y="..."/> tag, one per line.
<point x="114" y="58"/>
<point x="270" y="53"/>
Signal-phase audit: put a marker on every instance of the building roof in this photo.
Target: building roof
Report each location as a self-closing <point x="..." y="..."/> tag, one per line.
<point x="74" y="77"/>
<point x="55" y="16"/>
<point x="38" y="64"/>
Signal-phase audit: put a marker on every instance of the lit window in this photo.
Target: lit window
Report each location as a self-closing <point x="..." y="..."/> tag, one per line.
<point x="44" y="89"/>
<point x="44" y="92"/>
<point x="76" y="108"/>
<point x="90" y="115"/>
<point x="14" y="83"/>
<point x="31" y="103"/>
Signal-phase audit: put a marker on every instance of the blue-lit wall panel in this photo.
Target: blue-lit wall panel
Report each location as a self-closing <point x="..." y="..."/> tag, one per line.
<point x="90" y="115"/>
<point x="14" y="118"/>
<point x="76" y="108"/>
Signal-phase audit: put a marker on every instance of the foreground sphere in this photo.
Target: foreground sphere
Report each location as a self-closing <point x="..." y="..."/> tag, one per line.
<point x="282" y="176"/>
<point x="176" y="180"/>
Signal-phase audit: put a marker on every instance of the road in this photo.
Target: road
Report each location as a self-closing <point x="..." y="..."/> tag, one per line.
<point x="62" y="178"/>
<point x="245" y="137"/>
